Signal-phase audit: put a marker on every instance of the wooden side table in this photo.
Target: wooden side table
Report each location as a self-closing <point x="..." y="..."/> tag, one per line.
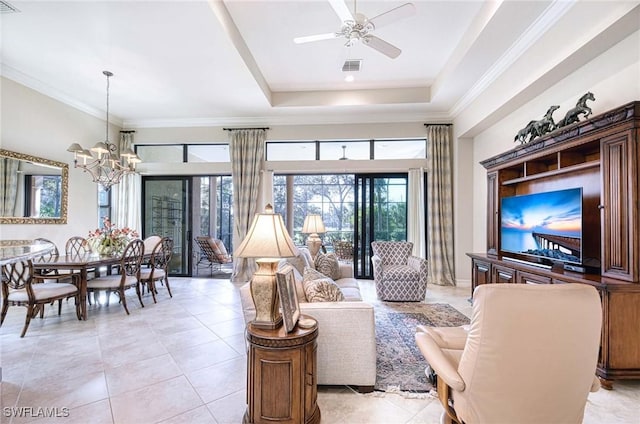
<point x="282" y="376"/>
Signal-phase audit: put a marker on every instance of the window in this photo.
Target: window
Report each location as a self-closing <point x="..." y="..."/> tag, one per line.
<point x="104" y="204"/>
<point x="346" y="149"/>
<point x="167" y="153"/>
<point x="400" y="149"/>
<point x="208" y="153"/>
<point x="291" y="151"/>
<point x="328" y="195"/>
<point x="42" y="196"/>
<point x="216" y="203"/>
<point x="337" y="150"/>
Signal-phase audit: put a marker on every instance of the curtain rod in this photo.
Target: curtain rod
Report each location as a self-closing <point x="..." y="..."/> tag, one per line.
<point x="236" y="129"/>
<point x="428" y="125"/>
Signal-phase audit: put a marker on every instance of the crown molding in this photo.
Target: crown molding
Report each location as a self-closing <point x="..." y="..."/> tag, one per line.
<point x="315" y="119"/>
<point x="529" y="36"/>
<point x="13" y="74"/>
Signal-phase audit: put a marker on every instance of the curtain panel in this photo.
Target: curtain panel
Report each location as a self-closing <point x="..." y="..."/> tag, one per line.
<point x="440" y="254"/>
<point x="127" y="196"/>
<point x="8" y="185"/>
<point x="415" y="212"/>
<point x="246" y="149"/>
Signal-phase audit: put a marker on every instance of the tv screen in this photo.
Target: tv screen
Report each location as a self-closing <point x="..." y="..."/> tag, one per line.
<point x="545" y="225"/>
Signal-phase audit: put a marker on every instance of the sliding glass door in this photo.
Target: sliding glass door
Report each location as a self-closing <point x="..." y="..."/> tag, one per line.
<point x="167" y="214"/>
<point x="380" y="214"/>
<point x="187" y="207"/>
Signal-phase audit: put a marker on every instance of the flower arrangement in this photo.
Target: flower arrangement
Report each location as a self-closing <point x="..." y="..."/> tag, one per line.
<point x="111" y="240"/>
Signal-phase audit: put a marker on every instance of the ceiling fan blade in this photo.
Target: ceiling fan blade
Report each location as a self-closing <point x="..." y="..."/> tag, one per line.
<point x="318" y="37"/>
<point x="381" y="46"/>
<point x="341" y="9"/>
<point x="400" y="12"/>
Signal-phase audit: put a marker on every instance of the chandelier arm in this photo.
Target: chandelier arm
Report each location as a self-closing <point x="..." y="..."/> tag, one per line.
<point x="108" y="168"/>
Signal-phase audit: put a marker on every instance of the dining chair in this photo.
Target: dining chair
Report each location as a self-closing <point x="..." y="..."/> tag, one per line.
<point x="158" y="269"/>
<point x="51" y="275"/>
<point x="20" y="288"/>
<point x="151" y="242"/>
<point x="128" y="277"/>
<point x="77" y="246"/>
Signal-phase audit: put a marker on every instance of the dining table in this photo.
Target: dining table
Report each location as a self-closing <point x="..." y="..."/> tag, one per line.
<point x="80" y="263"/>
<point x="21" y="250"/>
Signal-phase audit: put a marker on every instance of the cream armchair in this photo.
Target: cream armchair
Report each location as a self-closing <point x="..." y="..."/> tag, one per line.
<point x="530" y="355"/>
<point x="398" y="275"/>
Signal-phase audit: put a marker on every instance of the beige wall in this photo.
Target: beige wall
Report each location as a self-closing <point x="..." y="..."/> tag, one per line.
<point x="38" y="125"/>
<point x="613" y="77"/>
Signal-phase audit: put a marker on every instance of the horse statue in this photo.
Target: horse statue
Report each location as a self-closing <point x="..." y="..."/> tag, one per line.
<point x="537" y="128"/>
<point x="573" y="115"/>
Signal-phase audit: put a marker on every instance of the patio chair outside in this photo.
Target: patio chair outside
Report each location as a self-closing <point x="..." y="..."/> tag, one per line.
<point x="213" y="254"/>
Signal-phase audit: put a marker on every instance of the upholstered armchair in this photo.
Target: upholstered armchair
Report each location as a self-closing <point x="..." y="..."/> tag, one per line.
<point x="530" y="355"/>
<point x="398" y="275"/>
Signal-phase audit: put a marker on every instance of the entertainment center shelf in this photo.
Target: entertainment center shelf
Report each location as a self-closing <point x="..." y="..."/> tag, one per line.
<point x="533" y="171"/>
<point x="598" y="159"/>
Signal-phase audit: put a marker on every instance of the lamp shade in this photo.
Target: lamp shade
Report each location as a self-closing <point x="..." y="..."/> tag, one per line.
<point x="313" y="224"/>
<point x="267" y="238"/>
<point x="75" y="148"/>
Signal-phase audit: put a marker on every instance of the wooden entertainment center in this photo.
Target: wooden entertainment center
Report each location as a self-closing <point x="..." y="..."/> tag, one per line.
<point x="601" y="155"/>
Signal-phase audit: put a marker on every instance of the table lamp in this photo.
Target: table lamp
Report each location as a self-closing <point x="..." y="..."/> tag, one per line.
<point x="267" y="241"/>
<point x="313" y="225"/>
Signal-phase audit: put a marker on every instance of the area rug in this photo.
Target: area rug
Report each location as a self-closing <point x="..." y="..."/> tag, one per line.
<point x="400" y="365"/>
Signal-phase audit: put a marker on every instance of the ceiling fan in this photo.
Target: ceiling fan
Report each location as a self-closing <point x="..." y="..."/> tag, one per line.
<point x="357" y="27"/>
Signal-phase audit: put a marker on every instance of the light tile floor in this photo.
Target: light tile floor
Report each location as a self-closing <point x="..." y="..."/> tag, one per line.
<point x="183" y="360"/>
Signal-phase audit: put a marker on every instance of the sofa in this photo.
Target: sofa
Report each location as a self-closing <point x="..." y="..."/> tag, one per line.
<point x="347" y="336"/>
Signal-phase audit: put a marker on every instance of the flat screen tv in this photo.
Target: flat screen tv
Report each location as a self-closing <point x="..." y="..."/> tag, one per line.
<point x="543" y="227"/>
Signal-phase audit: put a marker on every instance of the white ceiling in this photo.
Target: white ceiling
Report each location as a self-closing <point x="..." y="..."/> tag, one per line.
<point x="184" y="63"/>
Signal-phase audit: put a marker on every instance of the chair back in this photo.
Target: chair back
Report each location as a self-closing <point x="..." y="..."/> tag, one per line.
<point x="77" y="246"/>
<point x="53" y="252"/>
<point x="151" y="242"/>
<point x="47" y="256"/>
<point x="213" y="249"/>
<point x="132" y="258"/>
<point x="17" y="276"/>
<point x="531" y="353"/>
<point x="343" y="250"/>
<point x="162" y="253"/>
<point x="392" y="252"/>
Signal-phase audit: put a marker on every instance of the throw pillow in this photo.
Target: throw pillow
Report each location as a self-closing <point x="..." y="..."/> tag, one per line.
<point x="322" y="290"/>
<point x="221" y="252"/>
<point x="298" y="262"/>
<point x="304" y="252"/>
<point x="311" y="274"/>
<point x="328" y="265"/>
<point x="297" y="276"/>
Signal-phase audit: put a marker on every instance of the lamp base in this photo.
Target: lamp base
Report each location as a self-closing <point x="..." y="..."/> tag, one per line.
<point x="264" y="292"/>
<point x="313" y="244"/>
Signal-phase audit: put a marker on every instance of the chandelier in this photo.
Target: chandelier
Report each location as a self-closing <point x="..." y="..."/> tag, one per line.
<point x="104" y="162"/>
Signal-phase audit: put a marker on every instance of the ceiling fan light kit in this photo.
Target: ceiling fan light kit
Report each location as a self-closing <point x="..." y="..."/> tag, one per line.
<point x="357" y="27"/>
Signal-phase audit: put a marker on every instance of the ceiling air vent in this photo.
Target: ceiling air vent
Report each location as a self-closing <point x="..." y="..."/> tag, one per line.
<point x="7" y="8"/>
<point x="352" y="65"/>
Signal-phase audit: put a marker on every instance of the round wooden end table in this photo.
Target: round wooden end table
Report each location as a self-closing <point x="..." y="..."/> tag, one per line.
<point x="282" y="375"/>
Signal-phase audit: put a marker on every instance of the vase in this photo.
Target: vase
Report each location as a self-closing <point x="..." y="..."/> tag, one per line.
<point x="110" y="249"/>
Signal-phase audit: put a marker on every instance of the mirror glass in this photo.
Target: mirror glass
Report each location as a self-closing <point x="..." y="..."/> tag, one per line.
<point x="33" y="190"/>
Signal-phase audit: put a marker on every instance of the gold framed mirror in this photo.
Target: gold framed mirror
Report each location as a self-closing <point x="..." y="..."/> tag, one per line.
<point x="33" y="190"/>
